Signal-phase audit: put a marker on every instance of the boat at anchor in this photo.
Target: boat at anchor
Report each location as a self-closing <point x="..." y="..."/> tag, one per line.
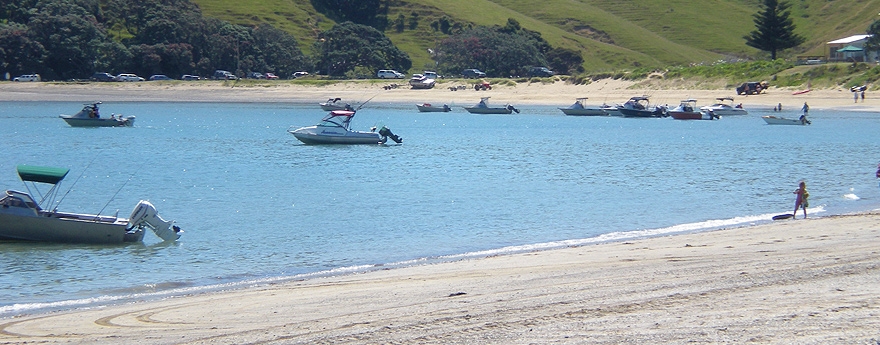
<point x="335" y="129"/>
<point x="23" y="218"/>
<point x="89" y="116"/>
<point x="484" y="108"/>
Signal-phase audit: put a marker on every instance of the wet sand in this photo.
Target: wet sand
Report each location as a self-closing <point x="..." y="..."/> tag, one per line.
<point x="814" y="281"/>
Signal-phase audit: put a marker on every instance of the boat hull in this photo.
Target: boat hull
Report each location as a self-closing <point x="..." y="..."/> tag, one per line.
<point x="65" y="228"/>
<point x="479" y="110"/>
<point x="314" y="135"/>
<point x="773" y="120"/>
<point x="640" y="113"/>
<point x="583" y="112"/>
<point x="726" y="111"/>
<point x="98" y="122"/>
<point x="686" y="115"/>
<point x="431" y="109"/>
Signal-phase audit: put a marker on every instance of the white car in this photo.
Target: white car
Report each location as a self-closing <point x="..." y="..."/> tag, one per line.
<point x="27" y="77"/>
<point x="128" y="77"/>
<point x="390" y="74"/>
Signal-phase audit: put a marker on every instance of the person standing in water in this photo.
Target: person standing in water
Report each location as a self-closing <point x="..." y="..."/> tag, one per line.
<point x="802" y="200"/>
<point x="806" y="108"/>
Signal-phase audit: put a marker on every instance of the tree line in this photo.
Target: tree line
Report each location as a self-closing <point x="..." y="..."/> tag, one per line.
<point x="71" y="39"/>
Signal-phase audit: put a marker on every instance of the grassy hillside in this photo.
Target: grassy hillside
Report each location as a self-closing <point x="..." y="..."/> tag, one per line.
<point x="612" y="34"/>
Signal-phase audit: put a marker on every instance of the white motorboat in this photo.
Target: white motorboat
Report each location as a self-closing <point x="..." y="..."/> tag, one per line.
<point x="421" y="81"/>
<point x="579" y="108"/>
<point x="22" y="218"/>
<point x="428" y="108"/>
<point x="89" y="116"/>
<point x="334" y="104"/>
<point x="687" y="110"/>
<point x="725" y="107"/>
<point x="484" y="108"/>
<point x="335" y="129"/>
<point x="639" y="106"/>
<point x="776" y="120"/>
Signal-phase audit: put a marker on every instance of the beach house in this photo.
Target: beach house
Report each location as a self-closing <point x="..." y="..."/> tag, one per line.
<point x="850" y="49"/>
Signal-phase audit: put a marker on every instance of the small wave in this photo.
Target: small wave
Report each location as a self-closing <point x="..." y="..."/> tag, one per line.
<point x="851" y="196"/>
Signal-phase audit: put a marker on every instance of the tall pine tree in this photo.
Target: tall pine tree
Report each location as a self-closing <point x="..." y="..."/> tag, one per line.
<point x="774" y="29"/>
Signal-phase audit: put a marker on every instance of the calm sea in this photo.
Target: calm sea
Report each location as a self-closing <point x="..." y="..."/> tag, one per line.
<point x="259" y="207"/>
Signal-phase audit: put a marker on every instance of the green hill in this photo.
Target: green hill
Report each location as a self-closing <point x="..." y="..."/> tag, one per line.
<point x="611" y="34"/>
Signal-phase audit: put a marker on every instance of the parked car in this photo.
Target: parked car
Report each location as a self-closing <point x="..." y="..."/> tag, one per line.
<point x="159" y="77"/>
<point x="27" y="77"/>
<point x="128" y="77"/>
<point x="255" y="75"/>
<point x="190" y="77"/>
<point x="390" y="74"/>
<point x="540" y="72"/>
<point x="102" y="76"/>
<point x="473" y="73"/>
<point x="751" y="88"/>
<point x="271" y="76"/>
<point x="223" y="75"/>
<point x="299" y="74"/>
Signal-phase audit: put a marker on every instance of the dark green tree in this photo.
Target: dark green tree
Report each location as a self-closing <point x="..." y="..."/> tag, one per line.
<point x="774" y="29"/>
<point x="565" y="61"/>
<point x="498" y="52"/>
<point x="366" y="12"/>
<point x="19" y="54"/>
<point x="413" y="20"/>
<point x="348" y="45"/>
<point x="873" y="43"/>
<point x="400" y="23"/>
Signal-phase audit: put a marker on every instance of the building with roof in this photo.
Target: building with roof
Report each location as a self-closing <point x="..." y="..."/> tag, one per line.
<point x="850" y="49"/>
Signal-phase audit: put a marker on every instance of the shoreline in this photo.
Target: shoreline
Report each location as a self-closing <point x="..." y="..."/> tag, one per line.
<point x="558" y="94"/>
<point x="805" y="281"/>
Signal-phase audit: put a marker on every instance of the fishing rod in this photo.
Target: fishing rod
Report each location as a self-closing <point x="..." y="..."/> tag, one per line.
<point x="365" y="102"/>
<point x="74" y="184"/>
<point x="113" y="197"/>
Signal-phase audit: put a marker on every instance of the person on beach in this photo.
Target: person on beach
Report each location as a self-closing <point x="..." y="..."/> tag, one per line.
<point x="863" y="95"/>
<point x="855" y="97"/>
<point x="802" y="200"/>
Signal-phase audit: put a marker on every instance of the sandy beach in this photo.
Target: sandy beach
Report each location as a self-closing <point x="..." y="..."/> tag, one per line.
<point x="557" y="94"/>
<point x="813" y="281"/>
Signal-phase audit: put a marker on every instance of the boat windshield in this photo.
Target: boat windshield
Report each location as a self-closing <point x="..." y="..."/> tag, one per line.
<point x="337" y="118"/>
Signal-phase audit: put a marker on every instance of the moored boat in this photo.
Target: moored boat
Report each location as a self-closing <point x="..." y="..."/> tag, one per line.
<point x="428" y="108"/>
<point x="334" y="104"/>
<point x="640" y="106"/>
<point x="484" y="108"/>
<point x="90" y="116"/>
<point x="335" y="129"/>
<point x="776" y="120"/>
<point x="22" y="218"/>
<point x="725" y="107"/>
<point x="579" y="108"/>
<point x="687" y="110"/>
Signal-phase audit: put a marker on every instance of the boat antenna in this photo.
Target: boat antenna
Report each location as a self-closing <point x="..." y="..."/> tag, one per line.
<point x="365" y="102"/>
<point x="74" y="183"/>
<point x="114" y="196"/>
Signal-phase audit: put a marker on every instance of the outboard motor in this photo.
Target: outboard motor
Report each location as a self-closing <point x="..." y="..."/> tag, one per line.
<point x="510" y="107"/>
<point x="386" y="133"/>
<point x="145" y="215"/>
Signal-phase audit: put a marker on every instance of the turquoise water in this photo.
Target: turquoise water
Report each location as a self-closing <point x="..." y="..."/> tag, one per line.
<point x="258" y="207"/>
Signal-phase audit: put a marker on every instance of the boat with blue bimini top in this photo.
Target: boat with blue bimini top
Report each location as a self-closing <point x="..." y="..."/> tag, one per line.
<point x="335" y="129"/>
<point x="22" y="218"/>
<point x="89" y="116"/>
